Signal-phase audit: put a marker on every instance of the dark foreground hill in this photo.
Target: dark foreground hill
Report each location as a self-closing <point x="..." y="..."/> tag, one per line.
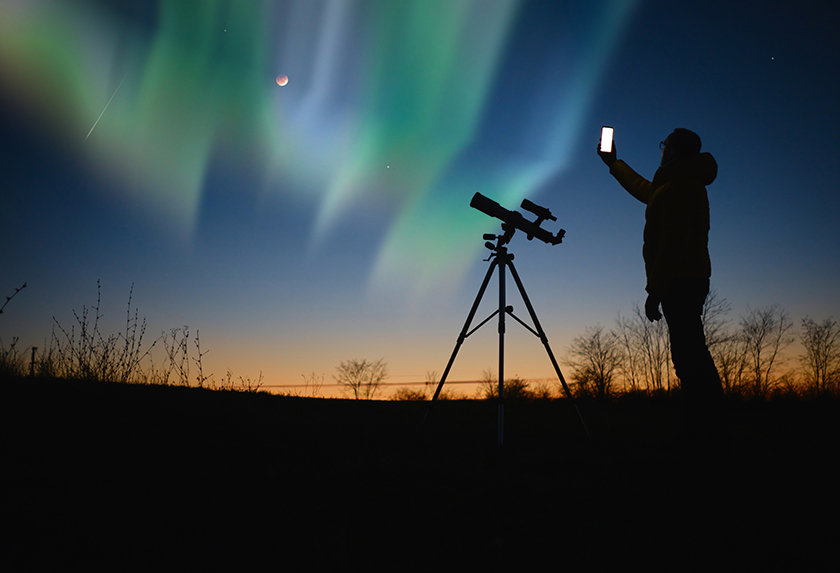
<point x="119" y="477"/>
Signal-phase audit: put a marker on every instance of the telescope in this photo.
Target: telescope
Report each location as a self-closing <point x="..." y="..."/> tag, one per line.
<point x="501" y="259"/>
<point x="515" y="219"/>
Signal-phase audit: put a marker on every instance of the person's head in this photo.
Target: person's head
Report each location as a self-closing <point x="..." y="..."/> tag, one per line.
<point x="680" y="144"/>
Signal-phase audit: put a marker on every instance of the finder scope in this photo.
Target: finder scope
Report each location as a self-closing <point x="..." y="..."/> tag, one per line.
<point x="515" y="219"/>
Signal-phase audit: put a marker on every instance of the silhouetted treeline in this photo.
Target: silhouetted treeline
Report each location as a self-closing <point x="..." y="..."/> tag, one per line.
<point x="752" y="354"/>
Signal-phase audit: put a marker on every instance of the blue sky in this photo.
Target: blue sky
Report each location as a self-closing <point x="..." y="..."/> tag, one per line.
<point x="328" y="219"/>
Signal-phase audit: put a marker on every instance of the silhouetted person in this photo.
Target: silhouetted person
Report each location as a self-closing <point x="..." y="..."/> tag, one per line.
<point x="678" y="267"/>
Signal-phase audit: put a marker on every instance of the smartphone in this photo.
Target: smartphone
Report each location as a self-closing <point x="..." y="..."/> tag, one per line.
<point x="606" y="139"/>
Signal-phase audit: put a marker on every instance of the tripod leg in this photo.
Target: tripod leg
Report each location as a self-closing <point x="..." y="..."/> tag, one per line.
<point x="505" y="260"/>
<point x="544" y="340"/>
<point x="462" y="336"/>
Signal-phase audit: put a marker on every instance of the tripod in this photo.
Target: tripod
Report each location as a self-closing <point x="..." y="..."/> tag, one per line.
<point x="502" y="259"/>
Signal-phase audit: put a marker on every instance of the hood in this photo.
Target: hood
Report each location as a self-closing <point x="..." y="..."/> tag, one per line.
<point x="701" y="167"/>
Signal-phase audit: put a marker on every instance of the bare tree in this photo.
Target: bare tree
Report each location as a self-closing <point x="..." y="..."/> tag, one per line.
<point x="647" y="351"/>
<point x="656" y="346"/>
<point x="821" y="360"/>
<point x="765" y="336"/>
<point x="595" y="357"/>
<point x="715" y="324"/>
<point x="632" y="368"/>
<point x="488" y="384"/>
<point x="363" y="378"/>
<point x="729" y="354"/>
<point x="431" y="382"/>
<point x="725" y="344"/>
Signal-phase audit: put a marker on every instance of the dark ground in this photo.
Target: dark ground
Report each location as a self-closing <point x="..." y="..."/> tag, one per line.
<point x="118" y="477"/>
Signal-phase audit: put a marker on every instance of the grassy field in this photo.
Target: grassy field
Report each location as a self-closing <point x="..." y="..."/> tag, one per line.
<point x="123" y="477"/>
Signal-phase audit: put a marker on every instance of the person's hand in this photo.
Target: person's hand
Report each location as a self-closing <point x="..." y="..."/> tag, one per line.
<point x="607" y="158"/>
<point x="652" y="308"/>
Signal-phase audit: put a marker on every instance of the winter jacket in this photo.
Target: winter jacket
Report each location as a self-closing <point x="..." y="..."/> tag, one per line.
<point x="676" y="237"/>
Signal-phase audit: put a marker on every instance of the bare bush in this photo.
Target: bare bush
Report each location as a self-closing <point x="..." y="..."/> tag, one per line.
<point x="241" y="384"/>
<point x="545" y="389"/>
<point x="312" y="384"/>
<point x="202" y="380"/>
<point x="515" y="388"/>
<point x="409" y="395"/>
<point x="11" y="359"/>
<point x="82" y="351"/>
<point x="595" y="358"/>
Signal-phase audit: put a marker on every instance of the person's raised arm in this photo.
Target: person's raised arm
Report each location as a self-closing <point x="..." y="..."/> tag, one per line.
<point x="635" y="184"/>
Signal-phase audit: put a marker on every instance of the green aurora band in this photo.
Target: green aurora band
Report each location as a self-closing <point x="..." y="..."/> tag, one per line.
<point x="401" y="130"/>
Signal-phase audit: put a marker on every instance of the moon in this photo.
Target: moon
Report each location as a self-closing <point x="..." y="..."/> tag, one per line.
<point x="282" y="80"/>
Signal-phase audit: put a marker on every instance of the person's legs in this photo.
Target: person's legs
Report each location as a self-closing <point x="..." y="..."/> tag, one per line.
<point x="699" y="380"/>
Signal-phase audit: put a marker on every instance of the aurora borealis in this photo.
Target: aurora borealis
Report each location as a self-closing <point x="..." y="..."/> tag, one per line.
<point x="390" y="102"/>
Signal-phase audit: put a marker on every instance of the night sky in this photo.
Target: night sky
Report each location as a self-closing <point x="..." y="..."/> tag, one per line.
<point x="148" y="144"/>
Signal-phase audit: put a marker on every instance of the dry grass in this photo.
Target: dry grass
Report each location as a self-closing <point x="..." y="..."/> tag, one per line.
<point x="82" y="351"/>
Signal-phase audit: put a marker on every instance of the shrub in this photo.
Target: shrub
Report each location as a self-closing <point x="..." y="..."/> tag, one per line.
<point x="515" y="388"/>
<point x="409" y="395"/>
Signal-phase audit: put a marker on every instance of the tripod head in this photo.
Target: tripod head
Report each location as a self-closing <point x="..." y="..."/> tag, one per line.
<point x="501" y="240"/>
<point x="513" y="220"/>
